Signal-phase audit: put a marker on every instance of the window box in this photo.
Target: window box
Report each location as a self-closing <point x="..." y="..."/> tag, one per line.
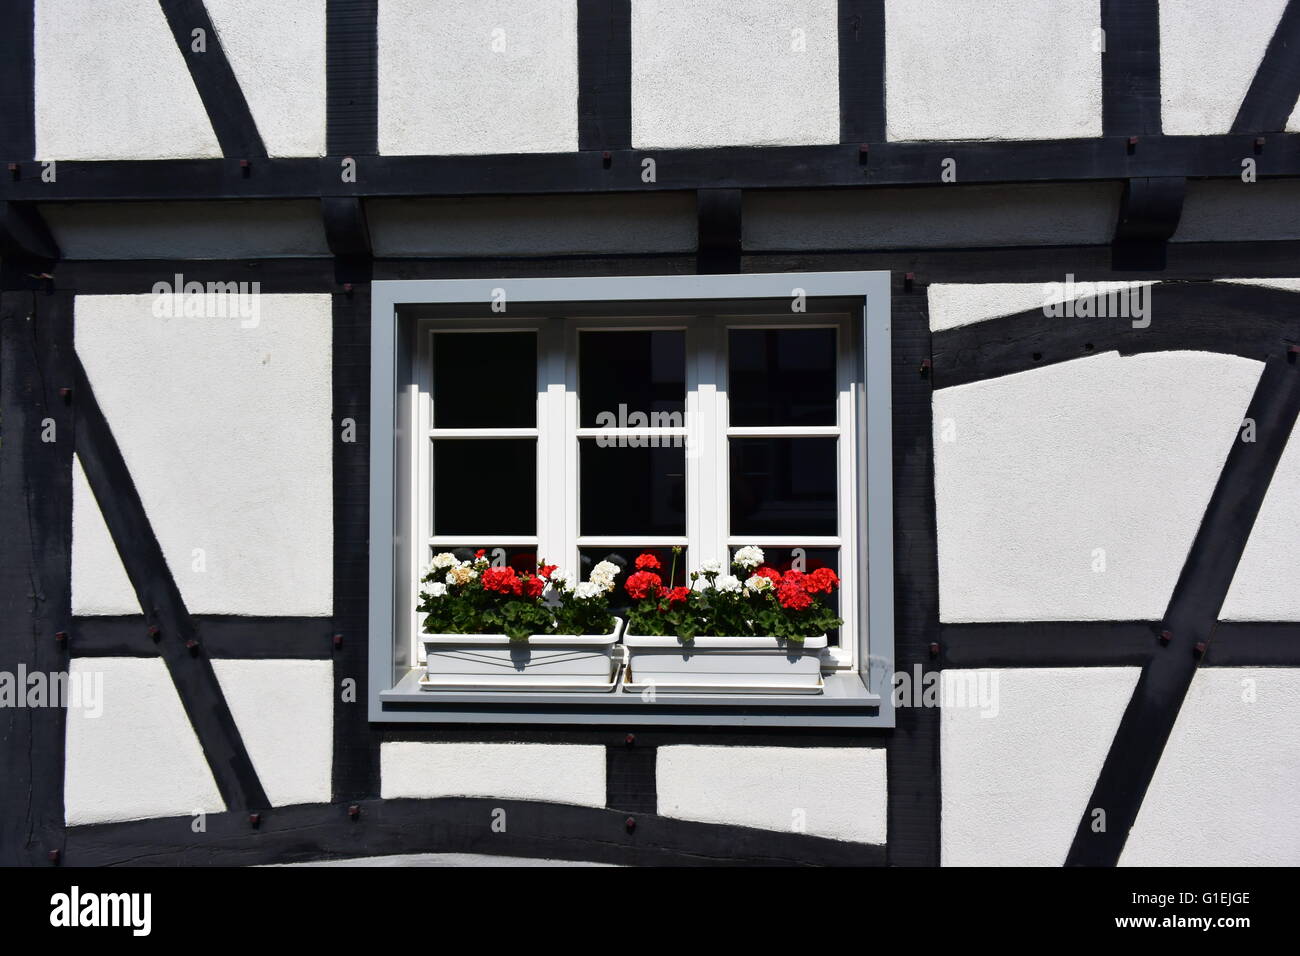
<point x="544" y="662"/>
<point x="732" y="665"/>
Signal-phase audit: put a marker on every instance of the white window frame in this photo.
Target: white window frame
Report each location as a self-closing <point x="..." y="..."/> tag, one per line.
<point x="404" y="316"/>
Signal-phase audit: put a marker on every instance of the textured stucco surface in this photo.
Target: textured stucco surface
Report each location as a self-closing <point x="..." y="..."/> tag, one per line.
<point x="962" y="216"/>
<point x="1229" y="210"/>
<point x="277" y="51"/>
<point x="92" y="99"/>
<point x="836" y="792"/>
<point x="1016" y="785"/>
<point x="533" y="225"/>
<point x="1226" y="36"/>
<point x="1048" y="466"/>
<point x="226" y="432"/>
<point x="187" y="230"/>
<point x="1224" y="792"/>
<point x="559" y="773"/>
<point x="99" y="581"/>
<point x="1266" y="586"/>
<point x="140" y="757"/>
<point x="1293" y="121"/>
<point x="719" y="73"/>
<point x="444" y="89"/>
<point x="957" y="304"/>
<point x="285" y="713"/>
<point x="992" y="69"/>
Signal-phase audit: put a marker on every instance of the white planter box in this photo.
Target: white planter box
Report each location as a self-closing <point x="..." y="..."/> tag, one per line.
<point x="559" y="662"/>
<point x="735" y="665"/>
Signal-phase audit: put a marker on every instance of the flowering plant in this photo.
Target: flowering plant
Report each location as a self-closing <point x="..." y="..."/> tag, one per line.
<point x="472" y="597"/>
<point x="751" y="600"/>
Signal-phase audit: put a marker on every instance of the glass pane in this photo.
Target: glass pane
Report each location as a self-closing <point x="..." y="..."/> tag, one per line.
<point x="631" y="490"/>
<point x="521" y="557"/>
<point x="784" y="557"/>
<point x="485" y="380"/>
<point x="632" y="379"/>
<point x="485" y="486"/>
<point x="783" y="486"/>
<point x="781" y="376"/>
<point x="625" y="558"/>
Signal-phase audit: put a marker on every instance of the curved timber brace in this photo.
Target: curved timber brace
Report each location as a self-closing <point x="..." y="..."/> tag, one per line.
<point x="1149" y="212"/>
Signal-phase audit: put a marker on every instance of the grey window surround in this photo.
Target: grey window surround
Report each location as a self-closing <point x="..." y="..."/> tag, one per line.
<point x="859" y="699"/>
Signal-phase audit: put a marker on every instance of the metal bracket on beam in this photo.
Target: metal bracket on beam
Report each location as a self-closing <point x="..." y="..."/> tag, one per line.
<point x="718" y="216"/>
<point x="1149" y="212"/>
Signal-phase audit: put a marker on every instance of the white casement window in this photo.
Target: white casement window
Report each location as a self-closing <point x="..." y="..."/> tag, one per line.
<point x="581" y="420"/>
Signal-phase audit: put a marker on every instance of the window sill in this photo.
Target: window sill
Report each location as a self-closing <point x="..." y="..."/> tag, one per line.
<point x="844" y="702"/>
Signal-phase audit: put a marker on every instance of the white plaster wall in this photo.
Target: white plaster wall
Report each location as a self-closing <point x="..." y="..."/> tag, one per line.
<point x="111" y="84"/>
<point x="227" y="433"/>
<point x="1293" y="121"/>
<point x="954" y="305"/>
<point x="1016" y="785"/>
<point x="140" y="758"/>
<point x="1222" y="39"/>
<point x="1224" y="793"/>
<point x="187" y="230"/>
<point x="1047" y="466"/>
<point x="1229" y="210"/>
<point x="559" y="773"/>
<point x="99" y="582"/>
<point x="992" y="69"/>
<point x="1266" y="586"/>
<point x="534" y="225"/>
<point x="719" y="73"/>
<point x="285" y="713"/>
<point x="444" y="89"/>
<point x="836" y="792"/>
<point x="277" y="51"/>
<point x="966" y="216"/>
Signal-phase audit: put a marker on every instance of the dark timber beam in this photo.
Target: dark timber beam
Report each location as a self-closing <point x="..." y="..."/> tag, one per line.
<point x="36" y="443"/>
<point x="1149" y="211"/>
<point x="351" y="78"/>
<point x="146" y="567"/>
<point x="221" y="636"/>
<point x="17" y="83"/>
<point x="214" y="78"/>
<point x="718" y="214"/>
<point x="862" y="71"/>
<point x="24" y="235"/>
<point x="1130" y="67"/>
<point x="604" y="74"/>
<point x="731" y="167"/>
<point x="1276" y="87"/>
<point x="1190" y="620"/>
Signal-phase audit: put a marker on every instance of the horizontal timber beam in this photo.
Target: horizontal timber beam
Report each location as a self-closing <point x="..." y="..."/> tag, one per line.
<point x="784" y="167"/>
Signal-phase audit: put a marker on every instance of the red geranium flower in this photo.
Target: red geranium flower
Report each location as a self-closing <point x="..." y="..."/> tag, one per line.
<point x="502" y="580"/>
<point x="643" y="584"/>
<point x="479" y="553"/>
<point x="821" y="581"/>
<point x="771" y="574"/>
<point x="544" y="571"/>
<point x="678" y="595"/>
<point x="534" y="586"/>
<point x="647" y="560"/>
<point x="791" y="592"/>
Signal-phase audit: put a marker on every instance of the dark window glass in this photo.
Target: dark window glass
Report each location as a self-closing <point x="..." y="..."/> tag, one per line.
<point x="521" y="557"/>
<point x="627" y="374"/>
<point x="784" y="557"/>
<point x="783" y="486"/>
<point x="484" y="486"/>
<point x="781" y="376"/>
<point x="485" y="380"/>
<point x="637" y="490"/>
<point x="625" y="558"/>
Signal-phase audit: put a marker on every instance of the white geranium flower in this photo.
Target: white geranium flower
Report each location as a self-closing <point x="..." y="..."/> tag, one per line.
<point x="728" y="583"/>
<point x="462" y="573"/>
<point x="713" y="566"/>
<point x="756" y="584"/>
<point x="561" y="580"/>
<point x="587" y="590"/>
<point x="443" y="560"/>
<point x="604" y="574"/>
<point x="749" y="557"/>
<point x="436" y="590"/>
